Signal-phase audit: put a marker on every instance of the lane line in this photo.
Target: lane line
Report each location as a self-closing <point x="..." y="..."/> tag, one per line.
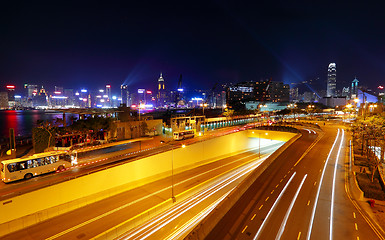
<point x="283" y="225"/>
<point x="319" y="189"/>
<point x="244" y="229"/>
<point x="260" y="207"/>
<point x="150" y="195"/>
<point x="272" y="208"/>
<point x="299" y="236"/>
<point x="334" y="187"/>
<point x="308" y="150"/>
<point x="373" y="225"/>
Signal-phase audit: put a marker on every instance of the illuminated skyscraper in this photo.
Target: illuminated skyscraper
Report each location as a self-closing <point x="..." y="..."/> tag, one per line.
<point x="125" y="94"/>
<point x="161" y="96"/>
<point x="354" y="89"/>
<point x="160" y="83"/>
<point x="332" y="81"/>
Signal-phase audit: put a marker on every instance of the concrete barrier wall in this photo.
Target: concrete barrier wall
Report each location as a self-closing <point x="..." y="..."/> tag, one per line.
<point x="208" y="223"/>
<point x="30" y="208"/>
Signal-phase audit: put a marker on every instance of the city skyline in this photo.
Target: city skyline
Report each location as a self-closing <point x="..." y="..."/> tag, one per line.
<point x="207" y="43"/>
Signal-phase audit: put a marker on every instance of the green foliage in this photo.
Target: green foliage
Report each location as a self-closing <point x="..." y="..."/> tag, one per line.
<point x="42" y="139"/>
<point x="370" y="189"/>
<point x="96" y="124"/>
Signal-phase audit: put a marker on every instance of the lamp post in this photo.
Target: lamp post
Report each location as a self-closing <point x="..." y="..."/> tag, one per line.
<point x="259" y="151"/>
<point x="172" y="174"/>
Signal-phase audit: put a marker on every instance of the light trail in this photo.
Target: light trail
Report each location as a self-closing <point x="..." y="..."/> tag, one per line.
<point x="186" y="205"/>
<point x="272" y="208"/>
<point x="189" y="225"/>
<point x="283" y="225"/>
<point x="134" y="202"/>
<point x="319" y="188"/>
<point x="334" y="186"/>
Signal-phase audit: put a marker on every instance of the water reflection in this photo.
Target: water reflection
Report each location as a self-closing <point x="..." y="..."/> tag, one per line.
<point x="24" y="120"/>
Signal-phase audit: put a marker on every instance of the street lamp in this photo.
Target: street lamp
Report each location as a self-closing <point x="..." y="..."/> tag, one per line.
<point x="259" y="151"/>
<point x="203" y="105"/>
<point x="172" y="174"/>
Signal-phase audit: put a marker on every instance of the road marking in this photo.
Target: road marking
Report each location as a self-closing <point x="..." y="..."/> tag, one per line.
<point x="244" y="229"/>
<point x="358" y="238"/>
<point x="320" y="170"/>
<point x="308" y="150"/>
<point x="355" y="225"/>
<point x="372" y="225"/>
<point x="253" y="217"/>
<point x="283" y="225"/>
<point x="315" y="183"/>
<point x="319" y="189"/>
<point x="308" y="202"/>
<point x="354" y="214"/>
<point x="285" y="176"/>
<point x="299" y="235"/>
<point x="281" y="180"/>
<point x="260" y="207"/>
<point x="266" y="199"/>
<point x="334" y="186"/>
<point x="271" y="192"/>
<point x="277" y="186"/>
<point x="272" y="208"/>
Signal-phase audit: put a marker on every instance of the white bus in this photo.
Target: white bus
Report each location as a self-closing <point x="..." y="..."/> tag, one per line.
<point x="37" y="164"/>
<point x="183" y="134"/>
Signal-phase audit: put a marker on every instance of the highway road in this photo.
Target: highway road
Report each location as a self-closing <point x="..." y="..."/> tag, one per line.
<point x="137" y="205"/>
<point x="98" y="160"/>
<point x="302" y="195"/>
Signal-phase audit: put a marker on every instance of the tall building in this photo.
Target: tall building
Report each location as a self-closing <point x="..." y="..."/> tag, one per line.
<point x="354" y="89"/>
<point x="161" y="96"/>
<point x="125" y="95"/>
<point x="32" y="90"/>
<point x="332" y="81"/>
<point x="279" y="92"/>
<point x="108" y="93"/>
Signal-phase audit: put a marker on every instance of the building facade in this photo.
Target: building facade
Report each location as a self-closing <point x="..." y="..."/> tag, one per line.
<point x="331" y="81"/>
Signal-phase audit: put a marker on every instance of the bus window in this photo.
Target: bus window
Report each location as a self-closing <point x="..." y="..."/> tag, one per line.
<point x="11" y="167"/>
<point x="22" y="165"/>
<point x="29" y="164"/>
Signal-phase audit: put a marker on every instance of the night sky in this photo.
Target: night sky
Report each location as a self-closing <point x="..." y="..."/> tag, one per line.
<point x="78" y="44"/>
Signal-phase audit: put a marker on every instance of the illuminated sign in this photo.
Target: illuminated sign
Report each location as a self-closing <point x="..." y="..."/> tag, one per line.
<point x="77" y="94"/>
<point x="57" y="92"/>
<point x="17" y="96"/>
<point x="180" y="89"/>
<point x="133" y="106"/>
<point x="11" y="86"/>
<point x="59" y="97"/>
<point x="101" y="90"/>
<point x="149" y="92"/>
<point x="141" y="90"/>
<point x="105" y="96"/>
<point x="197" y="99"/>
<point x="241" y="89"/>
<point x="108" y="86"/>
<point x="83" y="90"/>
<point x="381" y="87"/>
<point x="113" y="97"/>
